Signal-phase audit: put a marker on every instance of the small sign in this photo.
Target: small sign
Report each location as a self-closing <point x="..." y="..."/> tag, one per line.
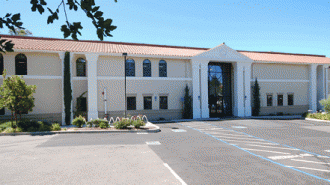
<point x="179" y="130"/>
<point x="153" y="143"/>
<point x="238" y="127"/>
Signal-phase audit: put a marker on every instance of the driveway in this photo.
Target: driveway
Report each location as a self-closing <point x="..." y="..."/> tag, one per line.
<point x="219" y="152"/>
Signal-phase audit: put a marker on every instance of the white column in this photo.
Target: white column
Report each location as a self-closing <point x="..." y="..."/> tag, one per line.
<point x="204" y="89"/>
<point x="196" y="89"/>
<point x="92" y="85"/>
<point x="312" y="87"/>
<point x="71" y="77"/>
<point x="247" y="83"/>
<point x="61" y="56"/>
<point x="239" y="89"/>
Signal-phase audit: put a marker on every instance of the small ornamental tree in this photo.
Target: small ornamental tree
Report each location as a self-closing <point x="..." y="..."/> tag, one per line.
<point x="16" y="96"/>
<point x="67" y="89"/>
<point x="256" y="98"/>
<point x="187" y="104"/>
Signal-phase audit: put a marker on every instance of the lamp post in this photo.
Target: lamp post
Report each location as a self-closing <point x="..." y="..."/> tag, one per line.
<point x="125" y="54"/>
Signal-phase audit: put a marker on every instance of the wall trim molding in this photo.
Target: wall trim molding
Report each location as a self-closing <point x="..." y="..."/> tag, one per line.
<point x="79" y="78"/>
<point x="281" y="80"/>
<point x="142" y="78"/>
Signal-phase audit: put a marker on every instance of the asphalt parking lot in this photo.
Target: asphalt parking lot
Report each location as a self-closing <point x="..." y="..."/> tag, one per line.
<point x="212" y="152"/>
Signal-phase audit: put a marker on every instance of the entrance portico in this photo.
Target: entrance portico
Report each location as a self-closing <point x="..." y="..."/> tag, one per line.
<point x="241" y="80"/>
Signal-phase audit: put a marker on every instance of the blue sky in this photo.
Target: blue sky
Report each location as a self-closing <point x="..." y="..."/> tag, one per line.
<point x="281" y="26"/>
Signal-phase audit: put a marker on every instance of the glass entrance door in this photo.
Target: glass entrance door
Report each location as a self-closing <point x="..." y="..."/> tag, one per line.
<point x="219" y="84"/>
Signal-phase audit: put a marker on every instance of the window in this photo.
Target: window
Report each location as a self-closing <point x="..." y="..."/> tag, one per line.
<point x="81" y="67"/>
<point x="130" y="67"/>
<point x="163" y="102"/>
<point x="146" y="68"/>
<point x="280" y="100"/>
<point x="1" y="64"/>
<point x="147" y="102"/>
<point x="162" y="68"/>
<point x="2" y="111"/>
<point x="131" y="103"/>
<point x="290" y="99"/>
<point x="83" y="104"/>
<point x="269" y="100"/>
<point x="20" y="64"/>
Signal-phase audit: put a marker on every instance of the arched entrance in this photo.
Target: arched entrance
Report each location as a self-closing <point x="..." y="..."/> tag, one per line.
<point x="219" y="88"/>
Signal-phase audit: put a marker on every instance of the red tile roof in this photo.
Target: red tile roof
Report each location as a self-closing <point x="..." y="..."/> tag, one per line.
<point x="51" y="44"/>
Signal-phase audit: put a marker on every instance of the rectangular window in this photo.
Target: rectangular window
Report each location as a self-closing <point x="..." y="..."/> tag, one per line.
<point x="290" y="99"/>
<point x="280" y="100"/>
<point x="2" y="111"/>
<point x="147" y="102"/>
<point x="163" y="102"/>
<point x="131" y="103"/>
<point x="269" y="100"/>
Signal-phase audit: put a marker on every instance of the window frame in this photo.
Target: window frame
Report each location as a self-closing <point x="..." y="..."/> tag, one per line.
<point x="81" y="61"/>
<point x="278" y="102"/>
<point x="290" y="94"/>
<point x="269" y="104"/>
<point x="145" y="105"/>
<point x="162" y="65"/>
<point x="130" y="69"/>
<point x="160" y="103"/>
<point x="146" y="66"/>
<point x="19" y="69"/>
<point x="127" y="102"/>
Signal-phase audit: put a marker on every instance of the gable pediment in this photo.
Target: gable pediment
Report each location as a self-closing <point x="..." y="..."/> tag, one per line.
<point x="223" y="53"/>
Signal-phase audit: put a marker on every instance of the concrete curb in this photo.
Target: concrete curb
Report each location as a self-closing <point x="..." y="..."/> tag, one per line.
<point x="156" y="129"/>
<point x="319" y="120"/>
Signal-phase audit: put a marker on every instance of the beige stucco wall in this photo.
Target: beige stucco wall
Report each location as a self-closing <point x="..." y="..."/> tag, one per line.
<point x="114" y="67"/>
<point x="48" y="96"/>
<point x="140" y="88"/>
<point x="280" y="71"/>
<point x="40" y="64"/>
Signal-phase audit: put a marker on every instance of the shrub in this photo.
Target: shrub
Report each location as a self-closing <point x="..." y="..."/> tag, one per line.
<point x="256" y="98"/>
<point x="123" y="124"/>
<point x="44" y="126"/>
<point x="56" y="127"/>
<point x="79" y="121"/>
<point x="89" y="124"/>
<point x="18" y="129"/>
<point x="9" y="130"/>
<point x="187" y="104"/>
<point x="305" y="114"/>
<point x="24" y="124"/>
<point x="96" y="122"/>
<point x="137" y="123"/>
<point x="326" y="104"/>
<point x="104" y="124"/>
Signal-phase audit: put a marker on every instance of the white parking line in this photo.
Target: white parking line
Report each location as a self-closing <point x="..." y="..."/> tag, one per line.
<point x="289" y="156"/>
<point x="310" y="169"/>
<point x="240" y="138"/>
<point x="273" y="147"/>
<point x="175" y="175"/>
<point x="266" y="151"/>
<point x="232" y="135"/>
<point x="309" y="161"/>
<point x="227" y="140"/>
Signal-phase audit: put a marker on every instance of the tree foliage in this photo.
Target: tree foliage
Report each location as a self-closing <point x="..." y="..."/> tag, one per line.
<point x="103" y="26"/>
<point x="20" y="32"/>
<point x="326" y="104"/>
<point x="187" y="104"/>
<point x="16" y="95"/>
<point x="67" y="88"/>
<point x="256" y="99"/>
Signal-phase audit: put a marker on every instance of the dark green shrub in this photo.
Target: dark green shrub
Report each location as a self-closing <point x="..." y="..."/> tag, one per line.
<point x="256" y="99"/>
<point x="79" y="121"/>
<point x="305" y="114"/>
<point x="24" y="124"/>
<point x="123" y="124"/>
<point x="96" y="122"/>
<point x="104" y="124"/>
<point x="187" y="104"/>
<point x="67" y="88"/>
<point x="32" y="129"/>
<point x="56" y="127"/>
<point x="89" y="124"/>
<point x="44" y="126"/>
<point x="137" y="123"/>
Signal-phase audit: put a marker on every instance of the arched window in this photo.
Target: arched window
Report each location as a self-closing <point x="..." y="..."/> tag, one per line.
<point x="162" y="68"/>
<point x="146" y="68"/>
<point x="81" y="67"/>
<point x="1" y="64"/>
<point x="20" y="64"/>
<point x="130" y="67"/>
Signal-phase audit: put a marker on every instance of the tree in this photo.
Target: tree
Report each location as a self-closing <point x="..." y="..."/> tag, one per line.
<point x="187" y="104"/>
<point x="20" y="32"/>
<point x="67" y="89"/>
<point x="16" y="96"/>
<point x="256" y="98"/>
<point x="103" y="26"/>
